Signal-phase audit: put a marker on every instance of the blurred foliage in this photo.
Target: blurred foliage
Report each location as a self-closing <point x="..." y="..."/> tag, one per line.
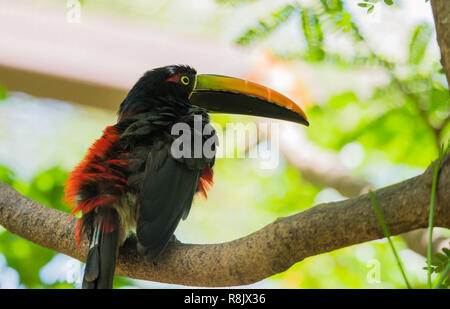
<point x="266" y="26"/>
<point x="407" y="118"/>
<point x="419" y="42"/>
<point x="234" y="3"/>
<point x="441" y="265"/>
<point x="3" y="93"/>
<point x="402" y="120"/>
<point x="387" y="234"/>
<point x="370" y="4"/>
<point x="24" y="256"/>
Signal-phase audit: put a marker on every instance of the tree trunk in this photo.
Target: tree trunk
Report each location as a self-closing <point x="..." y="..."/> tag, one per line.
<point x="441" y="12"/>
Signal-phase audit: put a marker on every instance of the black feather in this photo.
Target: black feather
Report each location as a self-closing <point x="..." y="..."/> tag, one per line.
<point x="101" y="260"/>
<point x="92" y="269"/>
<point x="167" y="192"/>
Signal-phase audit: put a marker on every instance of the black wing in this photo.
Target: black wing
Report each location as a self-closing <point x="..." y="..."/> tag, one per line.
<point x="166" y="196"/>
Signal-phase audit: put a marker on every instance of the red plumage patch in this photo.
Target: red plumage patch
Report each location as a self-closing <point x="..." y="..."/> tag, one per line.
<point x="89" y="204"/>
<point x="205" y="182"/>
<point x="121" y="163"/>
<point x="109" y="225"/>
<point x="78" y="231"/>
<point x="91" y="160"/>
<point x="97" y="166"/>
<point x="175" y="78"/>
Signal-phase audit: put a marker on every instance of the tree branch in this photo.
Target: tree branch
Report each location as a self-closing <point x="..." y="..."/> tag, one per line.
<point x="271" y="250"/>
<point x="322" y="168"/>
<point x="441" y="13"/>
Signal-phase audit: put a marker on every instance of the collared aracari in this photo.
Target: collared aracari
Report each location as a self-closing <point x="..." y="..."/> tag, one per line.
<point x="129" y="182"/>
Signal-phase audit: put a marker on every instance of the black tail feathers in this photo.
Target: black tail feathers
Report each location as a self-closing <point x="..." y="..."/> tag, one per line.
<point x="101" y="260"/>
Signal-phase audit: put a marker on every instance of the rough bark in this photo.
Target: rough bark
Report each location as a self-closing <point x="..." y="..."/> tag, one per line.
<point x="323" y="228"/>
<point x="322" y="168"/>
<point x="441" y="13"/>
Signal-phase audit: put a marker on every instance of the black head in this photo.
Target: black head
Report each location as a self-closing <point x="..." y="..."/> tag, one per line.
<point x="157" y="87"/>
<point x="179" y="86"/>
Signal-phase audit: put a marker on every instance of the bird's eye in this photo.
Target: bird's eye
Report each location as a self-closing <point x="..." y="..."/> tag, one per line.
<point x="184" y="80"/>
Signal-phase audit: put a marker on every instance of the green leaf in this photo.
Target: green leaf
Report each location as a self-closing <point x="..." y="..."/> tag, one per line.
<point x="364" y="5"/>
<point x="446" y="251"/>
<point x="441" y="257"/>
<point x="388" y="2"/>
<point x="312" y="31"/>
<point x="266" y="26"/>
<point x="332" y="6"/>
<point x="433" y="268"/>
<point x="443" y="280"/>
<point x="419" y="42"/>
<point x="370" y="10"/>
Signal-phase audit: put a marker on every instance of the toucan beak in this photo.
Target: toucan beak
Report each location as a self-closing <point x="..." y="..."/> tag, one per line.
<point x="223" y="94"/>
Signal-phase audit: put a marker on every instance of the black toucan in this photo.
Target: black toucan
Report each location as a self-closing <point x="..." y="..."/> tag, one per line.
<point x="140" y="177"/>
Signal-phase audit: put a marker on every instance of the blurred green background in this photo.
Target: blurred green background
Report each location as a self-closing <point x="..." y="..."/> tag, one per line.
<point x="376" y="99"/>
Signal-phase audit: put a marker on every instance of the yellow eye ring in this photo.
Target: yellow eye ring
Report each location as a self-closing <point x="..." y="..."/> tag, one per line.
<point x="184" y="80"/>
